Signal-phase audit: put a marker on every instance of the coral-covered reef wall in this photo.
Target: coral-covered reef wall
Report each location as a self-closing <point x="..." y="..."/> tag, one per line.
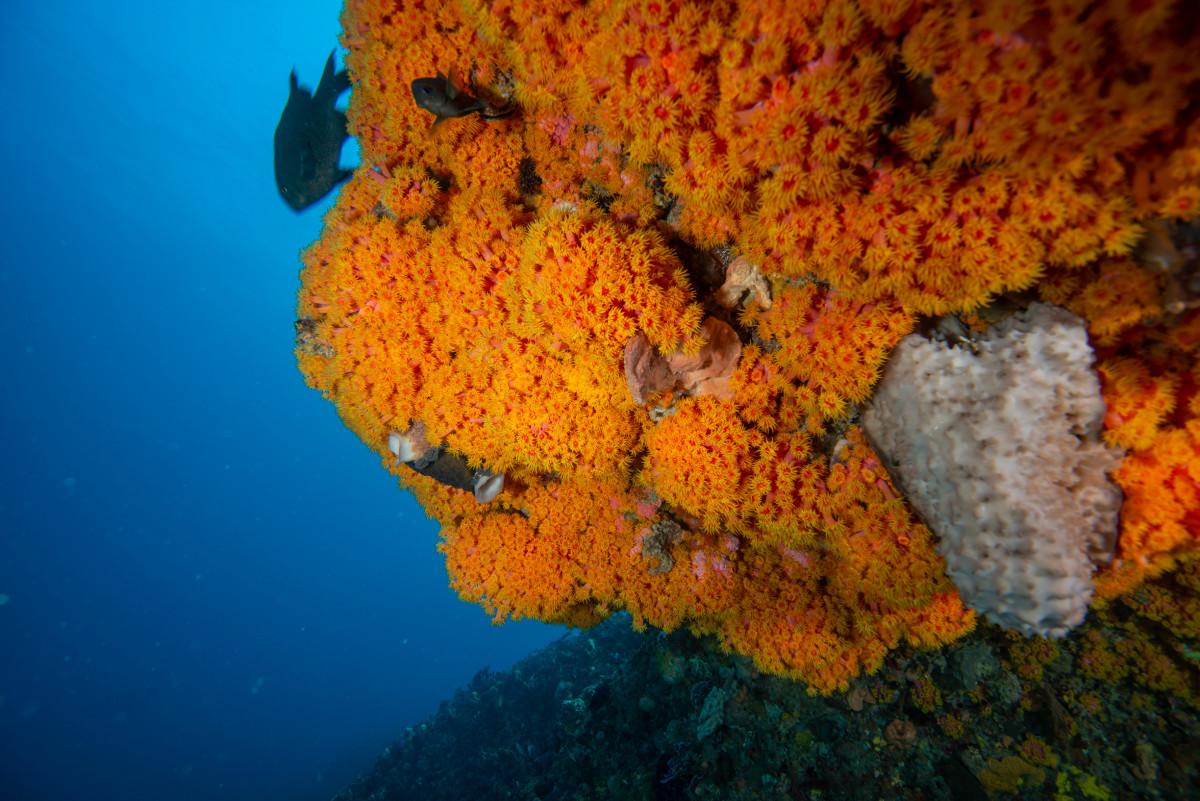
<point x="652" y="275"/>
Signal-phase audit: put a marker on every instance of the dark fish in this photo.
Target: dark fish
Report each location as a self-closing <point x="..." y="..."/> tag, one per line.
<point x="452" y="470"/>
<point x="441" y="98"/>
<point x="308" y="140"/>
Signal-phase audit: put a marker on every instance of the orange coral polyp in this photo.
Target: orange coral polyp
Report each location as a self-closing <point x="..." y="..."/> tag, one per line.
<point x="695" y="459"/>
<point x="873" y="160"/>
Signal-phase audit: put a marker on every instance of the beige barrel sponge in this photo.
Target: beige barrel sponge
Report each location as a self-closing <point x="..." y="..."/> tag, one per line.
<point x="997" y="445"/>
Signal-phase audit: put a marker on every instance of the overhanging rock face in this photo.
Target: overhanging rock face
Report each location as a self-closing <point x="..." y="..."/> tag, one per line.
<point x="998" y="448"/>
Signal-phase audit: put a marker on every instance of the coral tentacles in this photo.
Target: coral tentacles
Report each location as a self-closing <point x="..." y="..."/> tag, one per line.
<point x="816" y="177"/>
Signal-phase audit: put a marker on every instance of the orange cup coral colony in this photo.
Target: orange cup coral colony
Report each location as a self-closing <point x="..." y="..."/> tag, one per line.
<point x="653" y="297"/>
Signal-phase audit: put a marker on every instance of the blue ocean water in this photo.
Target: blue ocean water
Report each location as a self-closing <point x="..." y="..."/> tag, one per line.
<point x="208" y="587"/>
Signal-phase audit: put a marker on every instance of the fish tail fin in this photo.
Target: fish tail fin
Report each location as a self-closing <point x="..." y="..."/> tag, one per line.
<point x="493" y="113"/>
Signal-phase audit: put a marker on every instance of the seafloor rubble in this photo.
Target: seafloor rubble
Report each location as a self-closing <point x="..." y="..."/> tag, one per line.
<point x="1109" y="713"/>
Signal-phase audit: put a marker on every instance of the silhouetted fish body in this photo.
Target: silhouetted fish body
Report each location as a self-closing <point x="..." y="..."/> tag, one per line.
<point x="309" y="138"/>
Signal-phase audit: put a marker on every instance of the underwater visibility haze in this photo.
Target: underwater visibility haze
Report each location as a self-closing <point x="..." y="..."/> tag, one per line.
<point x="827" y="370"/>
<point x="208" y="589"/>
